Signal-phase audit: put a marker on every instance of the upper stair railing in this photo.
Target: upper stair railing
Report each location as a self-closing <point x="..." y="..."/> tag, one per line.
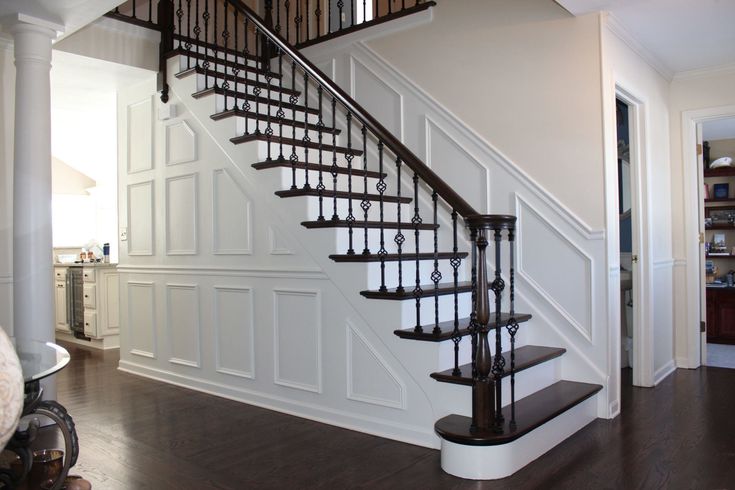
<point x="232" y="48"/>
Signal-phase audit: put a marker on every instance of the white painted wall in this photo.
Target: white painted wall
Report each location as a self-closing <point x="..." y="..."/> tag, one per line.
<point x="525" y="76"/>
<point x="689" y="92"/>
<point x="7" y="111"/>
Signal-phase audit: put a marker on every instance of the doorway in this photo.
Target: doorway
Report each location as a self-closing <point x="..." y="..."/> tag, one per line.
<point x="716" y="139"/>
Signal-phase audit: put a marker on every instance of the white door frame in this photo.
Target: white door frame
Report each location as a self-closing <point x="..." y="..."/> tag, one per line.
<point x="642" y="273"/>
<point x="692" y="184"/>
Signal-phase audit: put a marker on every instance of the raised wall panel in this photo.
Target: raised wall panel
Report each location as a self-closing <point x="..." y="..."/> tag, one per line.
<point x="555" y="266"/>
<point x="231" y="216"/>
<point x="233" y="327"/>
<point x="181" y="143"/>
<point x="297" y="337"/>
<point x="277" y="244"/>
<point x="183" y="324"/>
<point x="369" y="378"/>
<point x="141" y="224"/>
<point x="141" y="318"/>
<point x="463" y="172"/>
<point x="328" y="67"/>
<point x="140" y="136"/>
<point x="112" y="301"/>
<point x="385" y="103"/>
<point x="181" y="215"/>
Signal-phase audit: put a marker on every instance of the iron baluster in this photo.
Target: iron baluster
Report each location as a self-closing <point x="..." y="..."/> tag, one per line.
<point x="329" y="17"/>
<point x="150" y="12"/>
<point x="281" y="114"/>
<point x="268" y="117"/>
<point x="436" y="275"/>
<point x="256" y="87"/>
<point x="399" y="238"/>
<point x="318" y="15"/>
<point x="197" y="29"/>
<point x="179" y="16"/>
<point x="134" y="16"/>
<point x="390" y="7"/>
<point x="352" y="12"/>
<point x="278" y="17"/>
<point x="349" y="156"/>
<point x="381" y="187"/>
<point x="320" y="126"/>
<point x="499" y="361"/>
<point x="365" y="204"/>
<point x="340" y="5"/>
<point x="455" y="263"/>
<point x="226" y="46"/>
<point x="307" y="20"/>
<point x="473" y="314"/>
<point x="512" y="327"/>
<point x="235" y="69"/>
<point x="187" y="44"/>
<point x="297" y="21"/>
<point x="416" y="220"/>
<point x="306" y="138"/>
<point x="286" y="6"/>
<point x="214" y="43"/>
<point x="206" y="64"/>
<point x="293" y="99"/>
<point x="335" y="216"/>
<point x="246" y="101"/>
<point x="403" y="4"/>
<point x="364" y="10"/>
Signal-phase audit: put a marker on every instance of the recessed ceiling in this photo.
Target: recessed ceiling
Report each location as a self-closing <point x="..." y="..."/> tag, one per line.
<point x="682" y="35"/>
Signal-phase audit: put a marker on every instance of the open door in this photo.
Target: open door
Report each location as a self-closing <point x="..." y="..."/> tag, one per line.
<point x="702" y="258"/>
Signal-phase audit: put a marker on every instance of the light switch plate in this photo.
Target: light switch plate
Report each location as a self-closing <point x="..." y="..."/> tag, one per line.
<point x="123" y="234"/>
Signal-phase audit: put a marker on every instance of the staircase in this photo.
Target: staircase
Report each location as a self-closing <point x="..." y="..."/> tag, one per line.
<point x="421" y="243"/>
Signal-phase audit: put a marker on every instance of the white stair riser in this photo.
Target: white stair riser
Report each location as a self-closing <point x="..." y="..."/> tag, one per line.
<point x="204" y="82"/>
<point x="286" y="129"/>
<point x="220" y="68"/>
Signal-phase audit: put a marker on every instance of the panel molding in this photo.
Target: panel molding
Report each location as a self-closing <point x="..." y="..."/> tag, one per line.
<point x="276" y="243"/>
<point x="130" y="169"/>
<point x="192" y="156"/>
<point x="277" y="379"/>
<point x="585" y="331"/>
<point x="354" y="334"/>
<point x="247" y="249"/>
<point x="251" y="341"/>
<point x="151" y="218"/>
<point x="151" y="286"/>
<point x="196" y="363"/>
<point x="194" y="177"/>
<point x="380" y="80"/>
<point x="278" y="272"/>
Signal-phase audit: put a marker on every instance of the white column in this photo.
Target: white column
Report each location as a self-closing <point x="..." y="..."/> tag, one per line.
<point x="33" y="299"/>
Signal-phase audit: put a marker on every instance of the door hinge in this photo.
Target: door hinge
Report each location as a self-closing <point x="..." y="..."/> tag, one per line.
<point x="701" y="237"/>
<point x="702" y="326"/>
<point x="634" y="259"/>
<point x="699" y="149"/>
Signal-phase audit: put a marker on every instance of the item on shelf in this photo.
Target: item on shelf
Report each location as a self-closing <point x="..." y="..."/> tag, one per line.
<point x="709" y="267"/>
<point x="707" y="222"/>
<point x="718" y="243"/>
<point x="721" y="191"/>
<point x="706" y="191"/>
<point x="705" y="153"/>
<point x="721" y="162"/>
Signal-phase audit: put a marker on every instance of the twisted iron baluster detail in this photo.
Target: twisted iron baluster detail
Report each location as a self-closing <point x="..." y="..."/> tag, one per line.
<point x="365" y="204"/>
<point x="381" y="188"/>
<point x="206" y="64"/>
<point x="473" y="328"/>
<point x="236" y="69"/>
<point x="349" y="156"/>
<point x="399" y="238"/>
<point x="197" y="30"/>
<point x="455" y="263"/>
<point x="306" y="138"/>
<point x="281" y="114"/>
<point x="418" y="292"/>
<point x="334" y="168"/>
<point x="512" y="327"/>
<point x="498" y="361"/>
<point x="246" y="101"/>
<point x="293" y="100"/>
<point x="436" y="275"/>
<point x="320" y="186"/>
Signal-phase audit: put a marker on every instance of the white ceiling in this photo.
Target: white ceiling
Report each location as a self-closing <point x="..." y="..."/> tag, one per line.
<point x="66" y="16"/>
<point x="718" y="129"/>
<point x="682" y="35"/>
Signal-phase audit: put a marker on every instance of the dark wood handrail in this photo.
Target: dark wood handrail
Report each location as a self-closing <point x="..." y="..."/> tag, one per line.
<point x="396" y="146"/>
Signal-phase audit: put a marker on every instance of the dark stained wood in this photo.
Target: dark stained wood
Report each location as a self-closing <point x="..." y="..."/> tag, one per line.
<point x="275" y="139"/>
<point x="315" y="166"/>
<point x="219" y="62"/>
<point x="252" y="98"/>
<point x="448" y="327"/>
<point x="526" y="357"/>
<point x="251" y="115"/>
<point x="141" y="434"/>
<point x="531" y="412"/>
<point x="391" y="293"/>
<point x="213" y="47"/>
<point x="135" y="21"/>
<point x="359" y="257"/>
<point x="388" y="225"/>
<point x="340" y="195"/>
<point x="240" y="80"/>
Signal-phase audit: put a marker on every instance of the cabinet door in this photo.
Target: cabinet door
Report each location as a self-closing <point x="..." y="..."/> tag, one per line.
<point x="62" y="322"/>
<point x="712" y="330"/>
<point x="90" y="323"/>
<point x="90" y="296"/>
<point x="726" y="317"/>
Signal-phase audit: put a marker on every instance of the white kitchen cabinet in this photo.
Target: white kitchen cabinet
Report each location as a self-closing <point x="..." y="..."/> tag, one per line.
<point x="62" y="322"/>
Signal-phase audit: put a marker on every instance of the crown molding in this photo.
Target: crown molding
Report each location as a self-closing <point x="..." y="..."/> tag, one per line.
<point x="711" y="71"/>
<point x="646" y="55"/>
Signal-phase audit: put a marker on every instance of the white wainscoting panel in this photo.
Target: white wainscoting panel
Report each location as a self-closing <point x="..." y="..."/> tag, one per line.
<point x="140" y="136"/>
<point x="367" y="87"/>
<point x="556" y="267"/>
<point x="142" y="318"/>
<point x="141" y="222"/>
<point x="328" y="67"/>
<point x="297" y="332"/>
<point x="181" y="143"/>
<point x="233" y="330"/>
<point x="183" y="324"/>
<point x="277" y="244"/>
<point x="232" y="221"/>
<point x="112" y="301"/>
<point x="461" y="170"/>
<point x="181" y="215"/>
<point x="369" y="378"/>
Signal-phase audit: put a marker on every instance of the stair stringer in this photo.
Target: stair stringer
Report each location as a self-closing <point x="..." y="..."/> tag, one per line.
<point x="424" y="121"/>
<point x="418" y="359"/>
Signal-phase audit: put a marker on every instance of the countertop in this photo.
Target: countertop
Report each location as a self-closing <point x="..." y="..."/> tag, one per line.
<point x="86" y="264"/>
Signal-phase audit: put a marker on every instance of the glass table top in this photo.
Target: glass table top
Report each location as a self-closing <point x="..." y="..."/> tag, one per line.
<point x="39" y="359"/>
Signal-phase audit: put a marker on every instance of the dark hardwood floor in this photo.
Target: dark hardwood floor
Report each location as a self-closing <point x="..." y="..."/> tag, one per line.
<point x="141" y="434"/>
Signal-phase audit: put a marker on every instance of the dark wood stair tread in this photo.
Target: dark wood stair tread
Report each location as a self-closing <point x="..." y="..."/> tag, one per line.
<point x="407" y="293"/>
<point x="360" y="257"/>
<point x="253" y="98"/>
<point x="531" y="412"/>
<point x="275" y="121"/>
<point x="240" y="80"/>
<point x="342" y="195"/>
<point x="220" y="62"/>
<point x="388" y="225"/>
<point x="245" y="138"/>
<point x="275" y="163"/>
<point x="526" y="357"/>
<point x="220" y="49"/>
<point x="427" y="334"/>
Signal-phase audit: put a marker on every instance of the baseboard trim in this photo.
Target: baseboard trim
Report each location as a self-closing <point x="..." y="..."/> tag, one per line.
<point x="367" y="425"/>
<point x="663" y="372"/>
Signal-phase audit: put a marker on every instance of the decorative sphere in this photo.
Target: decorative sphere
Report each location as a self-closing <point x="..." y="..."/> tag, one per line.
<point x="11" y="389"/>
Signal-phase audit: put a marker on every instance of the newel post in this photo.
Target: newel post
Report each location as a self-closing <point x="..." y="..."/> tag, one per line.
<point x="266" y="49"/>
<point x="482" y="385"/>
<point x="166" y="25"/>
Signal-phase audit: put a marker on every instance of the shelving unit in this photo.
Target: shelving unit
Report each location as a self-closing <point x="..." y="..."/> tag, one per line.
<point x="721" y="300"/>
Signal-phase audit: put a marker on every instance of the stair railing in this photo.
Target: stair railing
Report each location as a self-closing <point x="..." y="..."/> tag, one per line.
<point x="233" y="48"/>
